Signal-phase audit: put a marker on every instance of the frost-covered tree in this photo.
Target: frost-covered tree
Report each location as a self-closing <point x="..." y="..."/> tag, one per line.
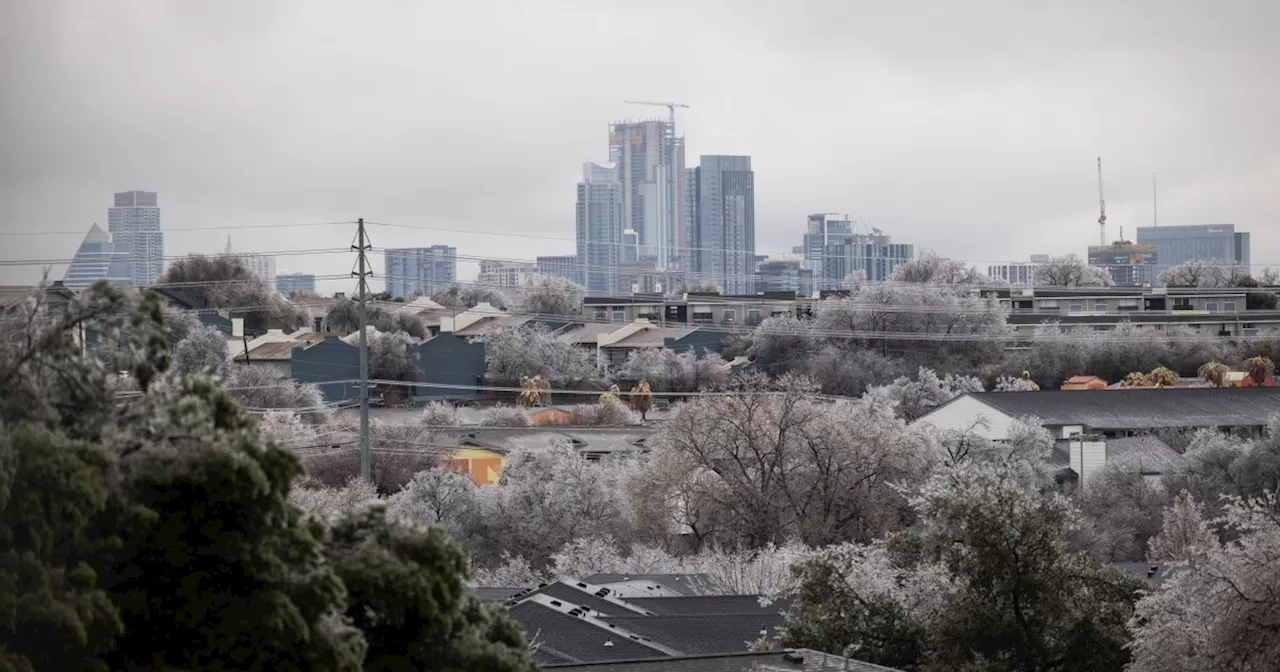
<point x="440" y="414"/>
<point x="1206" y="273"/>
<point x="389" y="355"/>
<point x="261" y="388"/>
<point x="1020" y="384"/>
<point x="667" y="371"/>
<point x="551" y="295"/>
<point x="439" y="496"/>
<point x="1120" y="515"/>
<point x="777" y="463"/>
<point x="608" y="412"/>
<point x="470" y="296"/>
<point x="914" y="398"/>
<point x="929" y="268"/>
<point x="1185" y="535"/>
<point x="344" y="316"/>
<point x="329" y="503"/>
<point x="203" y="351"/>
<point x="545" y="499"/>
<point x="224" y="282"/>
<point x="1218" y="611"/>
<point x="503" y="416"/>
<point x="532" y="350"/>
<point x="1071" y="271"/>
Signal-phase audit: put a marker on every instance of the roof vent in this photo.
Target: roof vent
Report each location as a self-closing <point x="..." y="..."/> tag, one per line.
<point x="793" y="657"/>
<point x="608" y="642"/>
<point x="556" y="603"/>
<point x="1152" y="571"/>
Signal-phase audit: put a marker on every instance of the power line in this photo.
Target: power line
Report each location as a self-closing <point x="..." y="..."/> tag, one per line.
<point x="249" y="227"/>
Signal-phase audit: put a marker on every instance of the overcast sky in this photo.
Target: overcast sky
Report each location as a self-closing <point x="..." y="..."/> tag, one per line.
<point x="967" y="128"/>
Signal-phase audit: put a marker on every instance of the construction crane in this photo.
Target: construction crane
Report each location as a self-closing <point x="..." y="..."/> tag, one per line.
<point x="1102" y="209"/>
<point x="671" y="158"/>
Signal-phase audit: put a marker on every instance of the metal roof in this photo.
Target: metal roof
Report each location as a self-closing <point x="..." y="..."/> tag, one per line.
<point x="1132" y="409"/>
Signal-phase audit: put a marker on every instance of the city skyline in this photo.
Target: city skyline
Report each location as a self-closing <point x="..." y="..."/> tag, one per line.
<point x="975" y="141"/>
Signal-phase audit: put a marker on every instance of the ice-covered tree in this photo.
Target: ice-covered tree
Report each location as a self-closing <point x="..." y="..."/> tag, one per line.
<point x="668" y="371"/>
<point x="929" y="268"/>
<point x="503" y="416"/>
<point x="1206" y="273"/>
<point x="532" y="350"/>
<point x="470" y="296"/>
<point x="1071" y="271"/>
<point x="438" y="496"/>
<point x="203" y="351"/>
<point x="261" y="388"/>
<point x="551" y="295"/>
<point x="914" y="398"/>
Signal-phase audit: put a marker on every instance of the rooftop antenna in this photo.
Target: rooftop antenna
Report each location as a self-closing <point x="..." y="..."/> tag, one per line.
<point x="1102" y="208"/>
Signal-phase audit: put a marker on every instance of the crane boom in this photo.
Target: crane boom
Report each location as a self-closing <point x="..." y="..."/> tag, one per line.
<point x="1102" y="208"/>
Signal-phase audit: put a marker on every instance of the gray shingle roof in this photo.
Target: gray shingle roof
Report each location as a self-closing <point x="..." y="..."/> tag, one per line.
<point x="1141" y="409"/>
<point x="706" y="604"/>
<point x="1142" y="454"/>
<point x="802" y="660"/>
<point x="568" y="591"/>
<point x="577" y="638"/>
<point x="703" y="633"/>
<point x="495" y="594"/>
<point x="684" y="584"/>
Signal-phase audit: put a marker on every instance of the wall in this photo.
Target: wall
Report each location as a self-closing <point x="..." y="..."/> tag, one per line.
<point x="483" y="466"/>
<point x="449" y="360"/>
<point x="328" y="360"/>
<point x="962" y="413"/>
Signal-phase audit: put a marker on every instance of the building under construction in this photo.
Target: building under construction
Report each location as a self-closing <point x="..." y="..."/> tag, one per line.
<point x="1128" y="263"/>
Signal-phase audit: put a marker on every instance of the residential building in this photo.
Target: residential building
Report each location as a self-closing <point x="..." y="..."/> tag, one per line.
<point x="98" y="258"/>
<point x="784" y="273"/>
<point x="698" y="309"/>
<point x="134" y="224"/>
<point x="650" y="163"/>
<point x="725" y="232"/>
<point x="1017" y="272"/>
<point x="496" y="273"/>
<point x="1179" y="244"/>
<point x="1112" y="413"/>
<point x="261" y="265"/>
<point x="600" y="226"/>
<point x="295" y="282"/>
<point x="416" y="271"/>
<point x="1129" y="264"/>
<point x="560" y="266"/>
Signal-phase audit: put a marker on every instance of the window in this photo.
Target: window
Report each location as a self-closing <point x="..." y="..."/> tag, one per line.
<point x="1101" y="327"/>
<point x="1099" y="305"/>
<point x="1228" y="305"/>
<point x="1182" y="304"/>
<point x="602" y="313"/>
<point x="753" y="315"/>
<point x="1049" y="305"/>
<point x="1249" y="329"/>
<point x="1211" y="305"/>
<point x="1075" y="306"/>
<point x="1024" y="305"/>
<point x="619" y="315"/>
<point x="1128" y="304"/>
<point x="730" y="315"/>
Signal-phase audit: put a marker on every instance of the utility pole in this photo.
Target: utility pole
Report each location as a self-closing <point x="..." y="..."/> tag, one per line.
<point x="362" y="290"/>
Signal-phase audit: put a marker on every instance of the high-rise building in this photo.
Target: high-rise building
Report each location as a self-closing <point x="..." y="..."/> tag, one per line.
<point x="600" y="226"/>
<point x="98" y="258"/>
<point x="650" y="163"/>
<point x="725" y="232"/>
<point x="496" y="273"/>
<point x="560" y="266"/>
<point x="1212" y="242"/>
<point x="1129" y="264"/>
<point x="784" y="273"/>
<point x="295" y="282"/>
<point x="415" y="271"/>
<point x="836" y="248"/>
<point x="261" y="265"/>
<point x="134" y="223"/>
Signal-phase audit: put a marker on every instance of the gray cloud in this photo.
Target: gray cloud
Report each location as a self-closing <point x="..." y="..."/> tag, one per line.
<point x="969" y="128"/>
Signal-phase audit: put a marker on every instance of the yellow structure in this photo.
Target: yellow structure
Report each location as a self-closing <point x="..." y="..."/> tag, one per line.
<point x="479" y="460"/>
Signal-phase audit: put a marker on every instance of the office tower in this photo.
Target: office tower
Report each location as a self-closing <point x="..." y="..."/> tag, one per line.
<point x="1129" y="264"/>
<point x="415" y="271"/>
<point x="1179" y="244"/>
<point x="599" y="228"/>
<point x="261" y="265"/>
<point x="836" y="248"/>
<point x="560" y="266"/>
<point x="725" y="233"/>
<point x="784" y="273"/>
<point x="630" y="246"/>
<point x="98" y="258"/>
<point x="1017" y="272"/>
<point x="650" y="162"/>
<point x="496" y="273"/>
<point x="134" y="223"/>
<point x="295" y="282"/>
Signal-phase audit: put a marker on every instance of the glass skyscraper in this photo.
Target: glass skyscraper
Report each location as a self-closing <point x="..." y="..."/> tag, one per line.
<point x="134" y="225"/>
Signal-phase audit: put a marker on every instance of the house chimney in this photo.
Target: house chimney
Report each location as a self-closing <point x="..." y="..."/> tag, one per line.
<point x="237" y="327"/>
<point x="1088" y="455"/>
